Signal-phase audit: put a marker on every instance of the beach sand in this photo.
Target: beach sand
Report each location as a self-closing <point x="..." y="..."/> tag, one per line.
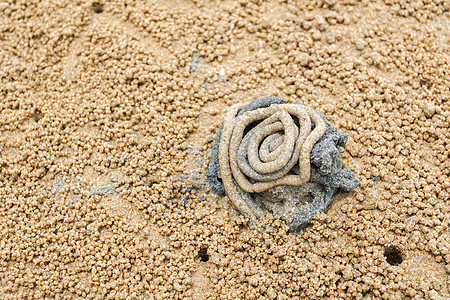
<point x="108" y="112"/>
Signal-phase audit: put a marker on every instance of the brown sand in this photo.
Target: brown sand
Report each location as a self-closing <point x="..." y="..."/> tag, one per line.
<point x="107" y="114"/>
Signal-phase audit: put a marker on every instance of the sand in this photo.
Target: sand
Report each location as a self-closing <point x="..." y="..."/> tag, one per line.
<point x="108" y="112"/>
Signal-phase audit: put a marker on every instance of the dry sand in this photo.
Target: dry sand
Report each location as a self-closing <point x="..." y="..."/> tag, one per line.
<point x="108" y="112"/>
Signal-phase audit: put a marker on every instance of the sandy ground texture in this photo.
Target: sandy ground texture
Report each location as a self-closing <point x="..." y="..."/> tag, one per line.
<point x="108" y="111"/>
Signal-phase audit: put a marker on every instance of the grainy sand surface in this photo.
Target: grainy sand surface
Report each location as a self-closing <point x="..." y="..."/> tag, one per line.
<point x="108" y="112"/>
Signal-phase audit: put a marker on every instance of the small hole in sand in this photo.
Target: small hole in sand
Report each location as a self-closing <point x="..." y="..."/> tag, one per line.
<point x="203" y="254"/>
<point x="309" y="198"/>
<point x="37" y="115"/>
<point x="393" y="255"/>
<point x="97" y="7"/>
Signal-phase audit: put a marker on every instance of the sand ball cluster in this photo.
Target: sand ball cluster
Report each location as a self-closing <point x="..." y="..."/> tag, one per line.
<point x="109" y="111"/>
<point x="263" y="150"/>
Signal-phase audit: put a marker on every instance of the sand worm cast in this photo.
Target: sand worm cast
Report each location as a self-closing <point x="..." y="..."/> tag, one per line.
<point x="278" y="158"/>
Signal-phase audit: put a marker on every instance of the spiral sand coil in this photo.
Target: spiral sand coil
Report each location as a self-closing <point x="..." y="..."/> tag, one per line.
<point x="263" y="158"/>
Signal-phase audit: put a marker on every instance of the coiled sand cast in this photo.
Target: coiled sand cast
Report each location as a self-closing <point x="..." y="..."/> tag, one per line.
<point x="274" y="157"/>
<point x="255" y="160"/>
